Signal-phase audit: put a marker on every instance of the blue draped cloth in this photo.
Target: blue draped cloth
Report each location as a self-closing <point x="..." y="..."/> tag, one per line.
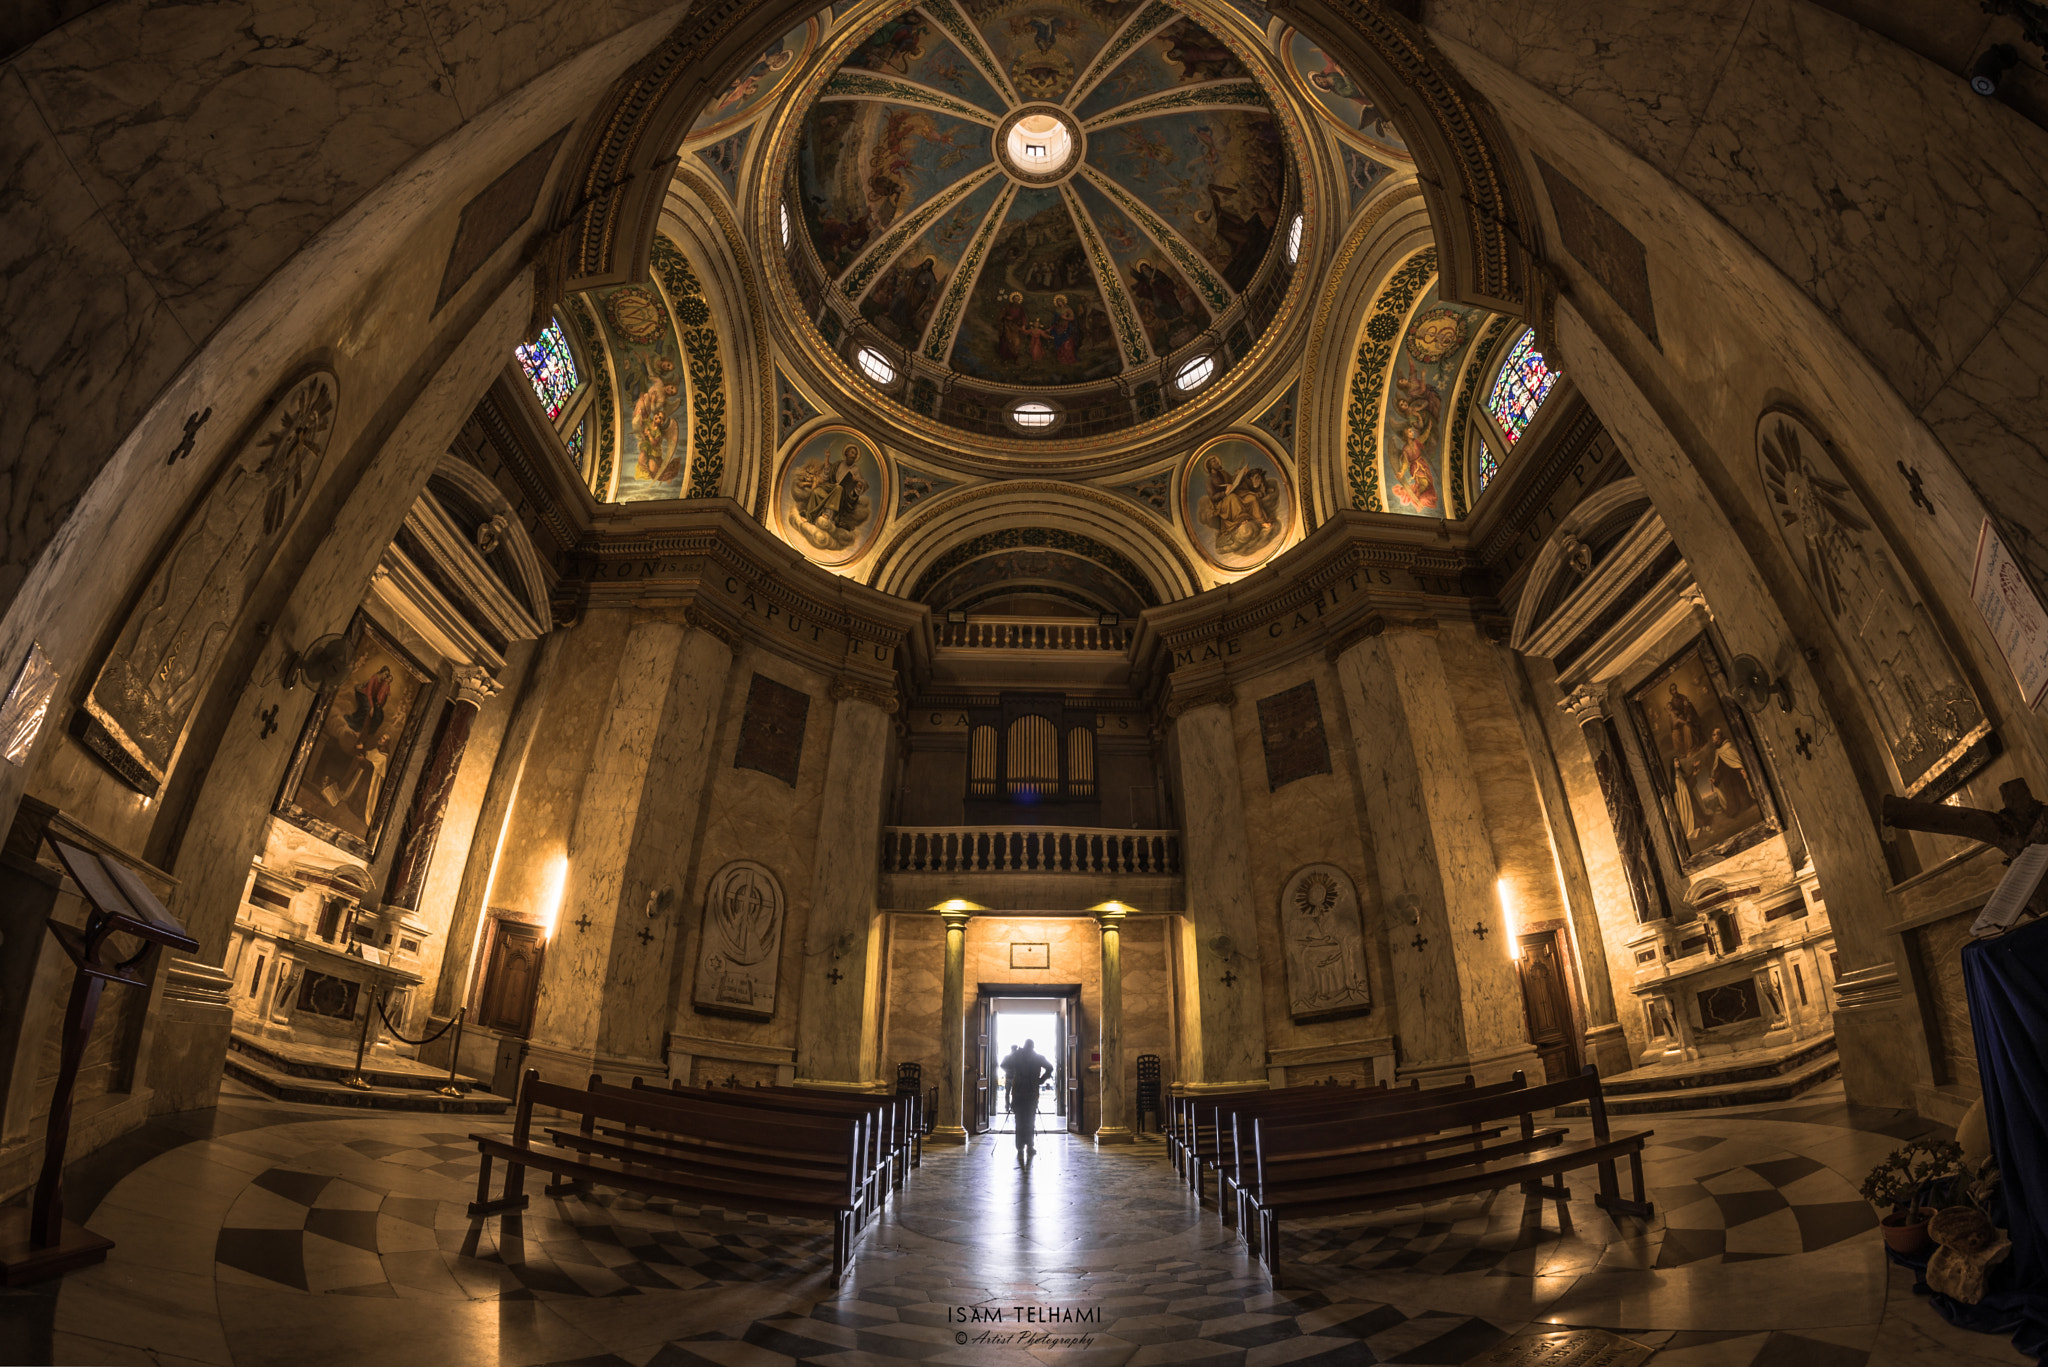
<point x="2007" y="980"/>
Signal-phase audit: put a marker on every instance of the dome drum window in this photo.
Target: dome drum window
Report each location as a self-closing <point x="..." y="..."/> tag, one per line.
<point x="1034" y="417"/>
<point x="878" y="368"/>
<point x="1194" y="373"/>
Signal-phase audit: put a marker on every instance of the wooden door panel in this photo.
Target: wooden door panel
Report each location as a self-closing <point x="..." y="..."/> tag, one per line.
<point x="511" y="983"/>
<point x="1546" y="1001"/>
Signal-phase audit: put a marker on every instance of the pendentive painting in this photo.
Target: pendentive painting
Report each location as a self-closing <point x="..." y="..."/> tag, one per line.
<point x="750" y="90"/>
<point x="831" y="495"/>
<point x="654" y="403"/>
<point x="345" y="772"/>
<point x="1343" y="100"/>
<point x="1703" y="761"/>
<point x="1237" y="503"/>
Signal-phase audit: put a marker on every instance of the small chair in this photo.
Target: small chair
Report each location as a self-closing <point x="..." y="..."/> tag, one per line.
<point x="1148" y="1091"/>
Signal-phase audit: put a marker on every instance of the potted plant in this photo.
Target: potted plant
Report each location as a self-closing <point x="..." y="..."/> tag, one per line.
<point x="1911" y="1184"/>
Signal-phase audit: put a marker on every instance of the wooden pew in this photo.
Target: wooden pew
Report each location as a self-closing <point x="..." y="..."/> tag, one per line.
<point x="1331" y="1167"/>
<point x="808" y="1166"/>
<point x="879" y="1114"/>
<point x="1235" y="1157"/>
<point x="1185" y="1132"/>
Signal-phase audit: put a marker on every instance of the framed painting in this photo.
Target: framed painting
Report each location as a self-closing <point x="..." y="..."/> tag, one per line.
<point x="344" y="775"/>
<point x="1704" y="765"/>
<point x="831" y="496"/>
<point x="1237" y="503"/>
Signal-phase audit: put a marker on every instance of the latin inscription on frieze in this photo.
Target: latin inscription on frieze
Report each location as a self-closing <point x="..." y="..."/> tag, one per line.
<point x="1291" y="728"/>
<point x="772" y="730"/>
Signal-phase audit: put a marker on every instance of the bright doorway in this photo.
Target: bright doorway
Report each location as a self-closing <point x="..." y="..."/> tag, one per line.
<point x="1014" y="1020"/>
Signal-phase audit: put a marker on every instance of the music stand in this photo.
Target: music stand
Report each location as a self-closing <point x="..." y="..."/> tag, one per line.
<point x="39" y="1243"/>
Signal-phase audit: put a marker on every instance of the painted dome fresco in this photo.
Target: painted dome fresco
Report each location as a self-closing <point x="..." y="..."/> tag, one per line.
<point x="1040" y="217"/>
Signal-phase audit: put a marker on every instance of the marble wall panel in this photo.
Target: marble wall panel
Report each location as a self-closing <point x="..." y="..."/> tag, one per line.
<point x="1213" y="761"/>
<point x="917" y="980"/>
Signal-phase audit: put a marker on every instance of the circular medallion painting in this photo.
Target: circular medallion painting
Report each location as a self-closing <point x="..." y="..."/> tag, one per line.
<point x="1341" y="100"/>
<point x="637" y="313"/>
<point x="1237" y="503"/>
<point x="831" y="500"/>
<point x="748" y="93"/>
<point x="1435" y="335"/>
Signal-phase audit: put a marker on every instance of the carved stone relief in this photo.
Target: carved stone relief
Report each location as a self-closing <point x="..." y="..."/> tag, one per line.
<point x="742" y="942"/>
<point x="170" y="646"/>
<point x="1325" y="945"/>
<point x="1929" y="717"/>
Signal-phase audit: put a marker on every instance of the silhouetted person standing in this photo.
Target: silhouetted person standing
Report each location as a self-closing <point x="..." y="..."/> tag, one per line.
<point x="1024" y="1071"/>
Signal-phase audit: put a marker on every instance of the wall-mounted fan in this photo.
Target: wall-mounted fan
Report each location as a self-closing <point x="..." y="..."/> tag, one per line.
<point x="1754" y="687"/>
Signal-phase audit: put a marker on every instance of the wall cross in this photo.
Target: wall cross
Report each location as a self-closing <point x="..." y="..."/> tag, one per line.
<point x="192" y="426"/>
<point x="1419" y="941"/>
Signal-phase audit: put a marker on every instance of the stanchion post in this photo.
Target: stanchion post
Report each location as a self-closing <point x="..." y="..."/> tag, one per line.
<point x="455" y="1055"/>
<point x="356" y="1079"/>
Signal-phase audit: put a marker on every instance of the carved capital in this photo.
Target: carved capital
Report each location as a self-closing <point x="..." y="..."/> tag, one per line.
<point x="1584" y="706"/>
<point x="475" y="685"/>
<point x="700" y="620"/>
<point x="1377" y="625"/>
<point x="847" y="688"/>
<point x="1224" y="696"/>
<point x="1691" y="596"/>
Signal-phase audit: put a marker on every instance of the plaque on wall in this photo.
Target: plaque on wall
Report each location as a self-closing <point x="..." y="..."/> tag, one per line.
<point x="741" y="947"/>
<point x="352" y="751"/>
<point x="1704" y="766"/>
<point x="1291" y="729"/>
<point x="772" y="730"/>
<point x="1325" y="945"/>
<point x="1030" y="956"/>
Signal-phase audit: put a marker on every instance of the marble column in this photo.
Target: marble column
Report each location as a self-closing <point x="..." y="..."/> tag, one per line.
<point x="1458" y="1002"/>
<point x="1224" y="1031"/>
<point x="839" y="1024"/>
<point x="437" y="780"/>
<point x="951" y="1128"/>
<point x="460" y="944"/>
<point x="1111" y="1129"/>
<point x="606" y="978"/>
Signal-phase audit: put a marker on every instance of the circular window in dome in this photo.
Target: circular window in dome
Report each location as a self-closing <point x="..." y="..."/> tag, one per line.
<point x="875" y="366"/>
<point x="1041" y="143"/>
<point x="1294" y="241"/>
<point x="1194" y="374"/>
<point x="784" y="209"/>
<point x="1035" y="417"/>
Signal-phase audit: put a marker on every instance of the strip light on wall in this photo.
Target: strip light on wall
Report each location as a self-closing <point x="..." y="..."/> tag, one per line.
<point x="1507" y="916"/>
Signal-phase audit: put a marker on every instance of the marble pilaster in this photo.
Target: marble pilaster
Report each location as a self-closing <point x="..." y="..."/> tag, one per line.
<point x="1458" y="1002"/>
<point x="1224" y="992"/>
<point x="953" y="1033"/>
<point x="837" y="1032"/>
<point x="605" y="984"/>
<point x="1112" y="1129"/>
<point x="437" y="780"/>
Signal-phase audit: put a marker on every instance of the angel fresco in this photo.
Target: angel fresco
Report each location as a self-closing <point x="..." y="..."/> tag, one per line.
<point x="657" y="425"/>
<point x="1421" y="408"/>
<point x="771" y="61"/>
<point x="895" y="45"/>
<point x="1370" y="120"/>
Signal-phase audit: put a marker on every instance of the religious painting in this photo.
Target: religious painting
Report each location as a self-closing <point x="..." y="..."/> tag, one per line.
<point x="832" y="496"/>
<point x="901" y="301"/>
<point x="1237" y="503"/>
<point x="748" y="93"/>
<point x="1218" y="177"/>
<point x="167" y="651"/>
<point x="1182" y="53"/>
<point x="863" y="164"/>
<point x="1325" y="945"/>
<point x="1169" y="309"/>
<point x="1704" y="765"/>
<point x="911" y="47"/>
<point x="1042" y="47"/>
<point x="1934" y="730"/>
<point x="654" y="399"/>
<point x="741" y="945"/>
<point x="1342" y="100"/>
<point x="345" y="772"/>
<point x="1420" y="394"/>
<point x="1036" y="316"/>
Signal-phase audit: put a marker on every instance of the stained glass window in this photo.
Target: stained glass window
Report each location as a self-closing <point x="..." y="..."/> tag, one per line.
<point x="550" y="368"/>
<point x="575" y="444"/>
<point x="1522" y="386"/>
<point x="1488" y="466"/>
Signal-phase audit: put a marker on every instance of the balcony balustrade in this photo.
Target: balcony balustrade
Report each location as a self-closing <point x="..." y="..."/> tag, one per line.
<point x="1029" y="849"/>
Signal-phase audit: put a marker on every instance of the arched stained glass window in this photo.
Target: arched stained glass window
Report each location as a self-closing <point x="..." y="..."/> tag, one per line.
<point x="1520" y="388"/>
<point x="550" y="368"/>
<point x="574" y="442"/>
<point x="1488" y="466"/>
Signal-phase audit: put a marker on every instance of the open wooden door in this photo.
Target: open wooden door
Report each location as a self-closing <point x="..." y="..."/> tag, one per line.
<point x="981" y="1078"/>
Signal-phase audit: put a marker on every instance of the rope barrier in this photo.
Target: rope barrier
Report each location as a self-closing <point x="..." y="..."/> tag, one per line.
<point x="415" y="1042"/>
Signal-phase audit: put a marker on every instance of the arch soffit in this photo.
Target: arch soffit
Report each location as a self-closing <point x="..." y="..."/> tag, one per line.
<point x="958" y="517"/>
<point x="1472" y="184"/>
<point x="515" y="541"/>
<point x="1590" y="515"/>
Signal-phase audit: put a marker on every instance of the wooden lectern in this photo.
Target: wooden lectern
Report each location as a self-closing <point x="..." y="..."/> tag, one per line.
<point x="39" y="1243"/>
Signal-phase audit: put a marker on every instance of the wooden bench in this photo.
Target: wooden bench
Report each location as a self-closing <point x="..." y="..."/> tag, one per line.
<point x="1186" y="1128"/>
<point x="807" y="1166"/>
<point x="887" y="1151"/>
<point x="1235" y="1156"/>
<point x="1325" y="1167"/>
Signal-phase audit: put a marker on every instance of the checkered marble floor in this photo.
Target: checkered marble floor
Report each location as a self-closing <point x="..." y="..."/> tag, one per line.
<point x="265" y="1234"/>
